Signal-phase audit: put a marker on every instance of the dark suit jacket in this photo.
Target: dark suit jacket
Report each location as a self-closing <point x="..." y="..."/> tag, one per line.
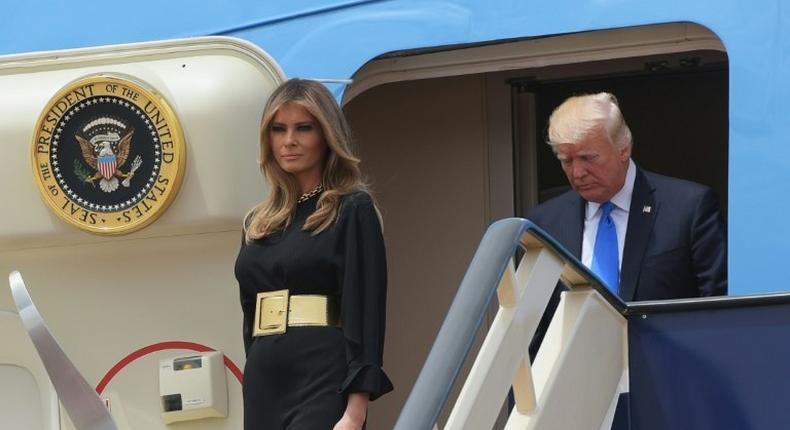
<point x="675" y="243"/>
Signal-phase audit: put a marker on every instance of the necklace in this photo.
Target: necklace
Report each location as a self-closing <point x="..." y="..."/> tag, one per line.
<point x="306" y="196"/>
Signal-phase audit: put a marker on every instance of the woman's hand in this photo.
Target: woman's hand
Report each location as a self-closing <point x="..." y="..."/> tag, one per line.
<point x="348" y="423"/>
<point x="356" y="411"/>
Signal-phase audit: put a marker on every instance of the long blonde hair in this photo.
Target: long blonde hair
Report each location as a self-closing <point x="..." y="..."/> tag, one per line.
<point x="341" y="174"/>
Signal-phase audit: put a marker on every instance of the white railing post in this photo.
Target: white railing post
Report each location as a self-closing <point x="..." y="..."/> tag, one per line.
<point x="504" y="350"/>
<point x="579" y="366"/>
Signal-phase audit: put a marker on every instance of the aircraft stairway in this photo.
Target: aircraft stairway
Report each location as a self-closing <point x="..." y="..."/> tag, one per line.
<point x="711" y="363"/>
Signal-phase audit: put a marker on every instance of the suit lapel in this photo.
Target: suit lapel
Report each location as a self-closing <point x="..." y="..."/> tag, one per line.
<point x="641" y="218"/>
<point x="573" y="228"/>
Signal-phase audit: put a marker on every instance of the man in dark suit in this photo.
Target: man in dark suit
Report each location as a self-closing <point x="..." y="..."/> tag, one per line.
<point x="648" y="236"/>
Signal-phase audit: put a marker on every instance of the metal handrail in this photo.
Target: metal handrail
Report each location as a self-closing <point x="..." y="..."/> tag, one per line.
<point x="85" y="408"/>
<point x="469" y="307"/>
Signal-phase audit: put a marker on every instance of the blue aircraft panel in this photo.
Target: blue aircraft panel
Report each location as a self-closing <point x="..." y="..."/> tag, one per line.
<point x="321" y="39"/>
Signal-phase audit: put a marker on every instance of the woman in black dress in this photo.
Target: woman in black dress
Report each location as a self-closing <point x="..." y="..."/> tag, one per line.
<point x="314" y="354"/>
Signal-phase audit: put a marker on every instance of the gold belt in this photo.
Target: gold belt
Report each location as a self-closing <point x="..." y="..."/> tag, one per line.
<point x="276" y="310"/>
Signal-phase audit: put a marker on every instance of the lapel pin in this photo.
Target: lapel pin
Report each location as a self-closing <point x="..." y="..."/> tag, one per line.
<point x="646" y="209"/>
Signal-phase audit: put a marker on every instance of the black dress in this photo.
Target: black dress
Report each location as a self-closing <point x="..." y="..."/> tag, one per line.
<point x="301" y="379"/>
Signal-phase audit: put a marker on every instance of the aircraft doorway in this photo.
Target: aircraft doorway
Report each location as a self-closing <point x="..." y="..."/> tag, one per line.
<point x="452" y="139"/>
<point x="678" y="117"/>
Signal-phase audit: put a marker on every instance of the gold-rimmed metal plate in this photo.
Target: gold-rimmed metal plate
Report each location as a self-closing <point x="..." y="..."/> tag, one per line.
<point x="271" y="313"/>
<point x="120" y="148"/>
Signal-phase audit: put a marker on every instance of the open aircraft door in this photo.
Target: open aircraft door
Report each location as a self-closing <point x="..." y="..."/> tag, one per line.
<point x="126" y="172"/>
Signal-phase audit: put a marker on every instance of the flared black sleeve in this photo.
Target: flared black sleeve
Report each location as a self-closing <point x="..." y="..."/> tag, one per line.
<point x="364" y="295"/>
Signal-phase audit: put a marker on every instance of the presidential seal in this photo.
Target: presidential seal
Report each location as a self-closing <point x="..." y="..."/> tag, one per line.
<point x="108" y="154"/>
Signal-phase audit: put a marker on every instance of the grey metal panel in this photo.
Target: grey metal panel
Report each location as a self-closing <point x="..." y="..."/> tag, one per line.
<point x="85" y="408"/>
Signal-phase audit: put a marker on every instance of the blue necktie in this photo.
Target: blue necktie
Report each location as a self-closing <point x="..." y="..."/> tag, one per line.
<point x="605" y="261"/>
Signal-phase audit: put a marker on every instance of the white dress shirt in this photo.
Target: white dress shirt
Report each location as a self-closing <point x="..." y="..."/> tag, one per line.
<point x="592" y="215"/>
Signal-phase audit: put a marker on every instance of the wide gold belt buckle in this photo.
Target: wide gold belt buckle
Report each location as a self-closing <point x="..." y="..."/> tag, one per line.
<point x="271" y="313"/>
